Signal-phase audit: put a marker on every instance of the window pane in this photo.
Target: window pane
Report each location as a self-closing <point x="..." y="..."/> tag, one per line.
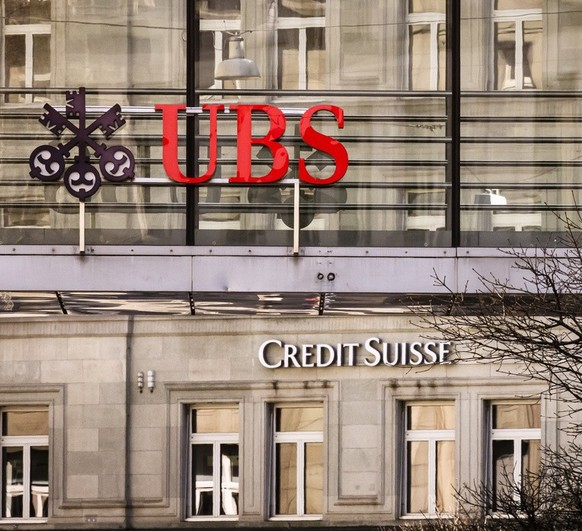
<point x="427" y="6"/>
<point x="518" y="4"/>
<point x="305" y="8"/>
<point x="288" y="58"/>
<point x="442" y="60"/>
<point x="446" y="476"/>
<point x="286" y="470"/>
<point x="427" y="417"/>
<point x="215" y="420"/>
<point x="316" y="58"/>
<point x="530" y="458"/>
<point x="25" y="422"/>
<point x="12" y="482"/>
<point x="299" y="419"/>
<point x="511" y="416"/>
<point x="532" y="54"/>
<point x="219" y="8"/>
<point x="314" y="478"/>
<point x="505" y="56"/>
<point x="202" y="476"/>
<point x="503" y="469"/>
<point x="27" y="11"/>
<point x="41" y="60"/>
<point x="229" y="479"/>
<point x="39" y="484"/>
<point x="14" y="60"/>
<point x="417" y="495"/>
<point x="420" y="67"/>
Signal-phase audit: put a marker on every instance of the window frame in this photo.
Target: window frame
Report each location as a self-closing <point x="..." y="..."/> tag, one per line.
<point x="216" y="440"/>
<point x="517" y="436"/>
<point x="431" y="437"/>
<point x="29" y="31"/>
<point x="300" y="439"/>
<point x="433" y="20"/>
<point x="517" y="17"/>
<point x="26" y="442"/>
<point x="300" y="24"/>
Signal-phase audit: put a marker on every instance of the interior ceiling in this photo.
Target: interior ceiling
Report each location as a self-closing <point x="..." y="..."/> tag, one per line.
<point x="29" y="304"/>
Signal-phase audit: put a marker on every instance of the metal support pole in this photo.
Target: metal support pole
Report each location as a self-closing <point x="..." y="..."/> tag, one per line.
<point x="81" y="227"/>
<point x="453" y="65"/>
<point x="296" y="217"/>
<point x="192" y="53"/>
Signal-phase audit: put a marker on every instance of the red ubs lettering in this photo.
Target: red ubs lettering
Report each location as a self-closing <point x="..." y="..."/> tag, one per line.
<point x="245" y="143"/>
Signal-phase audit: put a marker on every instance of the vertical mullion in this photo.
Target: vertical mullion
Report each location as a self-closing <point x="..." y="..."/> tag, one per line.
<point x="301" y="478"/>
<point x="28" y="63"/>
<point x="519" y="54"/>
<point x="216" y="475"/>
<point x="26" y="481"/>
<point x="517" y="459"/>
<point x="218" y="53"/>
<point x="431" y="476"/>
<point x="302" y="58"/>
<point x="190" y="508"/>
<point x="434" y="55"/>
<point x="273" y="491"/>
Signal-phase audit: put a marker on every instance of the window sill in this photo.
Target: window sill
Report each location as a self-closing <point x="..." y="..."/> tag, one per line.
<point x="212" y="519"/>
<point x="295" y="518"/>
<point x="26" y="521"/>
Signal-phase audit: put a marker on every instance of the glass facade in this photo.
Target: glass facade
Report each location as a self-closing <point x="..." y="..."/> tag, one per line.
<point x="461" y="126"/>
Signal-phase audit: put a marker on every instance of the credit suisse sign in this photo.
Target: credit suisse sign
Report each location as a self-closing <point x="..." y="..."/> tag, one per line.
<point x="374" y="352"/>
<point x="245" y="142"/>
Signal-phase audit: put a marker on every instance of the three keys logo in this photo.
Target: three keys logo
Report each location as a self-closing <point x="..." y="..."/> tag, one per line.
<point x="82" y="179"/>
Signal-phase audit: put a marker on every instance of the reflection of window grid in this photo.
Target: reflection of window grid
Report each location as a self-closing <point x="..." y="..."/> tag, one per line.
<point x="435" y="23"/>
<point x="217" y="495"/>
<point x="296" y="445"/>
<point x="30" y="33"/>
<point x="518" y="18"/>
<point x="432" y="487"/>
<point x="511" y="446"/>
<point x="300" y="26"/>
<point x="421" y="219"/>
<point x="25" y="487"/>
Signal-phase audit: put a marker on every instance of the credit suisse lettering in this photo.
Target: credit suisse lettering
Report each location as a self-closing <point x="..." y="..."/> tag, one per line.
<point x="245" y="143"/>
<point x="274" y="354"/>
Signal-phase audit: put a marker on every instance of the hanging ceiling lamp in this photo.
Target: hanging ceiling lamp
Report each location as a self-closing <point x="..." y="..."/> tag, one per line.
<point x="237" y="66"/>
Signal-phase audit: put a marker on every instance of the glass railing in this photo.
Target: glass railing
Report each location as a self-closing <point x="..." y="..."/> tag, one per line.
<point x="520" y="157"/>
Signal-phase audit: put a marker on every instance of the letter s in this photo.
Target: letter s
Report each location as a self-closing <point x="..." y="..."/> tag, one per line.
<point x="324" y="143"/>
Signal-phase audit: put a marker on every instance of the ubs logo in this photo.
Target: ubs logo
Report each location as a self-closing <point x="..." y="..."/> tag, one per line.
<point x="82" y="179"/>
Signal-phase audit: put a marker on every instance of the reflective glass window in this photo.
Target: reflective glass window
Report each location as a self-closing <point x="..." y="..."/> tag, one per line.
<point x="430" y="456"/>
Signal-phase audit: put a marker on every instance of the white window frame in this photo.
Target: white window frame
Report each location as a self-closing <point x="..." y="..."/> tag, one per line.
<point x="431" y="437"/>
<point x="301" y="24"/>
<point x="300" y="439"/>
<point x="26" y="442"/>
<point x="517" y="17"/>
<point x="517" y="436"/>
<point x="433" y="20"/>
<point x="216" y="440"/>
<point x="29" y="31"/>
